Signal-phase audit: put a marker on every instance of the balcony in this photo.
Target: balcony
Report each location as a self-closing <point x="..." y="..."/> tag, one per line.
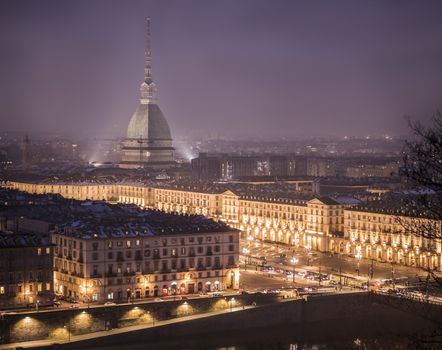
<point x="111" y="274"/>
<point x="129" y="273"/>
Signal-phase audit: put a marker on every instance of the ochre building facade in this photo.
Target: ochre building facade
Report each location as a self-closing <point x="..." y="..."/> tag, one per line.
<point x="320" y="223"/>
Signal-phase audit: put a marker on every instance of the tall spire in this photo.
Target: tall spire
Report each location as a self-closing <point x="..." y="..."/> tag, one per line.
<point x="148" y="89"/>
<point x="148" y="53"/>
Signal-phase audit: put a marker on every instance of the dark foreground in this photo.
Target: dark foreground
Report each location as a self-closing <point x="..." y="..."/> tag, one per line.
<point x="285" y="337"/>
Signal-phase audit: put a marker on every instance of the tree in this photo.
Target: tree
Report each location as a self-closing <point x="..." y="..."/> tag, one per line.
<point x="422" y="170"/>
<point x="423" y="157"/>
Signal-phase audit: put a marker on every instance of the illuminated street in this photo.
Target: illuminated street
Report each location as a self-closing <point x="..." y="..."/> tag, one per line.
<point x="327" y="263"/>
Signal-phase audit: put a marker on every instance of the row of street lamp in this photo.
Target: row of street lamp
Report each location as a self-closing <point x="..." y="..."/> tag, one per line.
<point x="358" y="257"/>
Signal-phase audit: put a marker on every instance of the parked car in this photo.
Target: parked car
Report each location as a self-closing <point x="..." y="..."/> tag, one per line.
<point x="109" y="303"/>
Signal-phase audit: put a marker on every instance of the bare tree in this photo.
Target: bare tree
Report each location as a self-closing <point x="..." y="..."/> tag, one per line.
<point x="423" y="157"/>
<point x="421" y="212"/>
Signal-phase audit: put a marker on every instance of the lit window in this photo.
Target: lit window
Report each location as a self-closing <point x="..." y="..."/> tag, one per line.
<point x="2" y="290"/>
<point x="40" y="287"/>
<point x="38" y="251"/>
<point x="48" y="250"/>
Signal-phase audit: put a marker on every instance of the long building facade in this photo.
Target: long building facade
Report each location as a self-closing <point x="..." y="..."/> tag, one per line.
<point x="97" y="251"/>
<point x="318" y="223"/>
<point x="132" y="266"/>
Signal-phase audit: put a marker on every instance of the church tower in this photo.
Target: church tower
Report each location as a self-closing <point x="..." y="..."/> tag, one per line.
<point x="148" y="142"/>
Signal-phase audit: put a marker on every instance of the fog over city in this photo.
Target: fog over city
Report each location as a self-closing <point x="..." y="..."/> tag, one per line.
<point x="223" y="68"/>
<point x="221" y="174"/>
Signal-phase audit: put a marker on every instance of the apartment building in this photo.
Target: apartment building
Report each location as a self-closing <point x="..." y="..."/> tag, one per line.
<point x="382" y="231"/>
<point x="339" y="225"/>
<point x="152" y="254"/>
<point x="26" y="273"/>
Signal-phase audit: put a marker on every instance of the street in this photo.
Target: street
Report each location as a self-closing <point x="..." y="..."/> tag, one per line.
<point x="280" y="257"/>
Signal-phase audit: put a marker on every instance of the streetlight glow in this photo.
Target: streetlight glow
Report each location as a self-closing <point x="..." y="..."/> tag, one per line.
<point x="294" y="261"/>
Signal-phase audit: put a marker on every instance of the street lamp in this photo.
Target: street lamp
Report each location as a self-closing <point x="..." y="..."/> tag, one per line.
<point x="370" y="274"/>
<point x="246" y="253"/>
<point x="358" y="256"/>
<point x="231" y="304"/>
<point x="68" y="328"/>
<point x="308" y="247"/>
<point x="392" y="276"/>
<point x="294" y="261"/>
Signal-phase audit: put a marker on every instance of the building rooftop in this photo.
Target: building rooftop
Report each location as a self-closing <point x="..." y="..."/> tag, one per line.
<point x="400" y="204"/>
<point x="23" y="240"/>
<point x="97" y="219"/>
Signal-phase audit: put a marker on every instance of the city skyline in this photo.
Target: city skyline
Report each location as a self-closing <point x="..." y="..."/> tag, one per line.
<point x="241" y="69"/>
<point x="237" y="174"/>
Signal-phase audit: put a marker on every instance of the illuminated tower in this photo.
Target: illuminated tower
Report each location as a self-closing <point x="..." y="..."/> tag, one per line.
<point x="148" y="142"/>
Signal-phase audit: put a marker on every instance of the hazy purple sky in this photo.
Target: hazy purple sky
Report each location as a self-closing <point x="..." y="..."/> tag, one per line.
<point x="283" y="68"/>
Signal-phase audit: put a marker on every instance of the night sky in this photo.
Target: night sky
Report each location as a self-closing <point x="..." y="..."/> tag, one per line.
<point x="228" y="68"/>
